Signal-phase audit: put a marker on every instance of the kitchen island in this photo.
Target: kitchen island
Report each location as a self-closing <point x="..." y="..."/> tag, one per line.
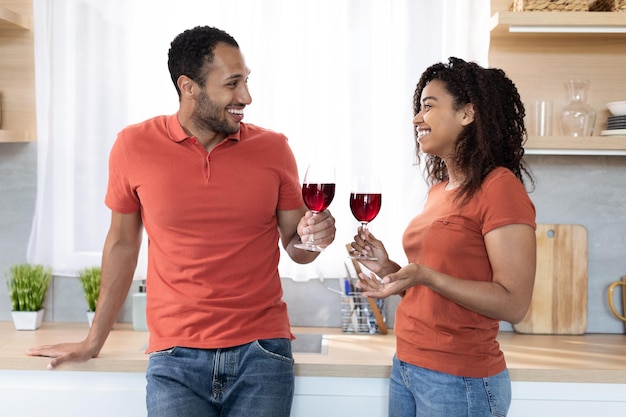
<point x="560" y="371"/>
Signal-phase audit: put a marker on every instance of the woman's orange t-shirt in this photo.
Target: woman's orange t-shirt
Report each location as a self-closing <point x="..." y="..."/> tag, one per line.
<point x="432" y="331"/>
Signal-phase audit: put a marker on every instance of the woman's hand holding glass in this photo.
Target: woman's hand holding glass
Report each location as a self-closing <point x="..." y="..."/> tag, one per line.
<point x="365" y="202"/>
<point x="376" y="282"/>
<point x="370" y="252"/>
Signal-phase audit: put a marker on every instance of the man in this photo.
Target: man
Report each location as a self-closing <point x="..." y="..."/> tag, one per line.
<point x="214" y="195"/>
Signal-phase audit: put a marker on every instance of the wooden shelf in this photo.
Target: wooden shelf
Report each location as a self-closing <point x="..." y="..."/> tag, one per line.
<point x="17" y="72"/>
<point x="540" y="51"/>
<point x="16" y="136"/>
<point x="565" y="145"/>
<point x="513" y="23"/>
<point x="12" y="20"/>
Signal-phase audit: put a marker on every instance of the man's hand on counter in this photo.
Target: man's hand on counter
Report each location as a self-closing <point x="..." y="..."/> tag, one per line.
<point x="64" y="352"/>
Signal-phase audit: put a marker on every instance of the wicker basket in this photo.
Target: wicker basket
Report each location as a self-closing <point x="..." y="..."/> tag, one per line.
<point x="602" y="5"/>
<point x="569" y="5"/>
<point x="550" y="5"/>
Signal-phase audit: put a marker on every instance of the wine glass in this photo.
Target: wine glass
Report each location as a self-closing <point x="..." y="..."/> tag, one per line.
<point x="318" y="191"/>
<point x="365" y="201"/>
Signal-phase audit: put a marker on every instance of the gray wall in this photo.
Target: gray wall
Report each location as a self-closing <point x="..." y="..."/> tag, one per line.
<point x="18" y="184"/>
<point x="588" y="190"/>
<point x="570" y="189"/>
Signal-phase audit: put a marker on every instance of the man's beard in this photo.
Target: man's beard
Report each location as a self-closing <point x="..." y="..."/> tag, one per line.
<point x="208" y="116"/>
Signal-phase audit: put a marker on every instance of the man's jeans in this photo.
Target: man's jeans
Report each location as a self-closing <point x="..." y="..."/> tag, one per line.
<point x="256" y="379"/>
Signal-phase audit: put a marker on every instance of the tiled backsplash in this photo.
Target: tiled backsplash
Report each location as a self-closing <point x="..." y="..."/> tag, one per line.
<point x="316" y="303"/>
<point x="65" y="302"/>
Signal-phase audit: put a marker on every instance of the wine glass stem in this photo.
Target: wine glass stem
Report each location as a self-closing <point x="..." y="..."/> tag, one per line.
<point x="364" y="229"/>
<point x="311" y="240"/>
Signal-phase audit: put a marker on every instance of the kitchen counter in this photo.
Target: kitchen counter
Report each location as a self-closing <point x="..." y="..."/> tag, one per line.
<point x="591" y="358"/>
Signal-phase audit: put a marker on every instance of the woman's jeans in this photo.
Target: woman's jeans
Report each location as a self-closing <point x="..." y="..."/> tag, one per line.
<point x="419" y="392"/>
<point x="256" y="379"/>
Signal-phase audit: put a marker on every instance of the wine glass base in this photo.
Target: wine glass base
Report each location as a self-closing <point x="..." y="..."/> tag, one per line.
<point x="309" y="247"/>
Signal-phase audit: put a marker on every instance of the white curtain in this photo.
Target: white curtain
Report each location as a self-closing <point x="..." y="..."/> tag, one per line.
<point x="336" y="76"/>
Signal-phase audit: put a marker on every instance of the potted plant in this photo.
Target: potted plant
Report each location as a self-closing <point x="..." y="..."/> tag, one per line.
<point x="28" y="284"/>
<point x="90" y="280"/>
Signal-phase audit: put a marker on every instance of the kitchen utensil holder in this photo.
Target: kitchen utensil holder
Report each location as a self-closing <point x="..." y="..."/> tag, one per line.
<point x="357" y="316"/>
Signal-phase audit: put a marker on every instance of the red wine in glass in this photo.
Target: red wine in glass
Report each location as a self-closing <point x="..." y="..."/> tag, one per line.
<point x="365" y="206"/>
<point x="365" y="202"/>
<point x="318" y="197"/>
<point x="318" y="191"/>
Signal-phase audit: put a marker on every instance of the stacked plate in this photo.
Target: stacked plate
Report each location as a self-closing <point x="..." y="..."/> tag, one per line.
<point x="616" y="124"/>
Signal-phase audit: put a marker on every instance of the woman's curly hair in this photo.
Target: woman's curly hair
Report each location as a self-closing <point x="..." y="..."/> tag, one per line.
<point x="496" y="136"/>
<point x="191" y="51"/>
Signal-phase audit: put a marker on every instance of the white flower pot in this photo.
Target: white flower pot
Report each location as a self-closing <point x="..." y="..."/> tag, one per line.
<point x="27" y="320"/>
<point x="90" y="315"/>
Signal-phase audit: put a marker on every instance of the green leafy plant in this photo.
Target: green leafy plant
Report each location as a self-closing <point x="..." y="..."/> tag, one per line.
<point x="90" y="280"/>
<point x="28" y="285"/>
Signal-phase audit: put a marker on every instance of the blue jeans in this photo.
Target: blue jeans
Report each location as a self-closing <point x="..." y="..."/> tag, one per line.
<point x="415" y="391"/>
<point x="256" y="379"/>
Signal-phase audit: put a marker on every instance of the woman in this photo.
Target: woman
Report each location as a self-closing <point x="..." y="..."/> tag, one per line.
<point x="471" y="251"/>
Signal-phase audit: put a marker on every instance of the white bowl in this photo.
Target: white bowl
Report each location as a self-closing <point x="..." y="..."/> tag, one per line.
<point x="617" y="108"/>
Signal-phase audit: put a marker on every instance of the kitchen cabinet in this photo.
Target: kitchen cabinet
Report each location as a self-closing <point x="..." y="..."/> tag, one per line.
<point x="72" y="394"/>
<point x="540" y="51"/>
<point x="69" y="394"/>
<point x="368" y="397"/>
<point x="17" y="72"/>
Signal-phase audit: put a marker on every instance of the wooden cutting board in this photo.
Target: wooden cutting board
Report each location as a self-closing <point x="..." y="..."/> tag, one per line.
<point x="559" y="301"/>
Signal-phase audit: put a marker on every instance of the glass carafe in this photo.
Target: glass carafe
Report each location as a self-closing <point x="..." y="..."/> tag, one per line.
<point x="578" y="117"/>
